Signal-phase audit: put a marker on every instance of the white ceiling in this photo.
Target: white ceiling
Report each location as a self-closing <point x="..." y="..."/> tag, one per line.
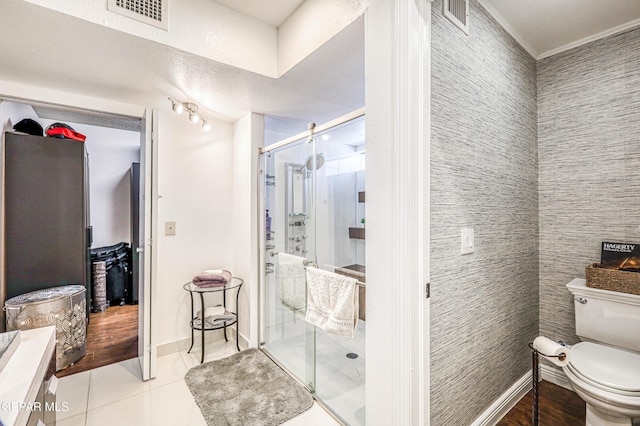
<point x="273" y="12"/>
<point x="70" y="54"/>
<point x="546" y="27"/>
<point x="45" y="48"/>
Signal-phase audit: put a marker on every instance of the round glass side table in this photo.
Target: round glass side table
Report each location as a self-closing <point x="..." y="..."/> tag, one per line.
<point x="205" y="322"/>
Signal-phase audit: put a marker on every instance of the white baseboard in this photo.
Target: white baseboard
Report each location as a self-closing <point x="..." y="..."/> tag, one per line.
<point x="555" y="376"/>
<point x="506" y="402"/>
<point x="209" y="337"/>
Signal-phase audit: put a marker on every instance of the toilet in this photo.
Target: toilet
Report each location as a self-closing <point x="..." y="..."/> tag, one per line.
<point x="604" y="368"/>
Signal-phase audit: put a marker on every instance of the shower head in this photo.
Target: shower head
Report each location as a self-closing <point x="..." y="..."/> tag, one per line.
<point x="319" y="162"/>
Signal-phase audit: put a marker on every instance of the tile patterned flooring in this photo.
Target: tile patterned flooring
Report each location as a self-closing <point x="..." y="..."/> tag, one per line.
<point x="115" y="394"/>
<point x="339" y="380"/>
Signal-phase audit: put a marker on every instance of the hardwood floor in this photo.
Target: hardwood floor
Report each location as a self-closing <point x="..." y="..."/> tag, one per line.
<point x="557" y="407"/>
<point x="112" y="336"/>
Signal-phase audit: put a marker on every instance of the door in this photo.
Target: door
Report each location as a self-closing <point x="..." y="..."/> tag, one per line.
<point x="146" y="251"/>
<point x="314" y="212"/>
<point x="290" y="233"/>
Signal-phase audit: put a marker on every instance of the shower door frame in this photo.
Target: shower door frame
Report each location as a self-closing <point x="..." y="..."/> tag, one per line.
<point x="262" y="258"/>
<point x="264" y="254"/>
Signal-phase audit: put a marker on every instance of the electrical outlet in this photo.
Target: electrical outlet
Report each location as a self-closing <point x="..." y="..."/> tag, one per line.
<point x="169" y="228"/>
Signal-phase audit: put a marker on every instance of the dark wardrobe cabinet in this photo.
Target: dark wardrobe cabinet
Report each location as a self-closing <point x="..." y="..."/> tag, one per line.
<point x="46" y="206"/>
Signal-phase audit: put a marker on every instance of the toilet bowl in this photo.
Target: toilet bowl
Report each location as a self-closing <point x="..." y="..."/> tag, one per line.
<point x="604" y="368"/>
<point x="608" y="380"/>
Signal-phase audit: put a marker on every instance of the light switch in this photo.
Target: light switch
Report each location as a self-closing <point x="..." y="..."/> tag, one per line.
<point x="169" y="228"/>
<point x="467" y="240"/>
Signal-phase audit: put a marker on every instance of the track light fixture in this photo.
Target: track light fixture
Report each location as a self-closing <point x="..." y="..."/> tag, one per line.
<point x="192" y="109"/>
<point x="176" y="107"/>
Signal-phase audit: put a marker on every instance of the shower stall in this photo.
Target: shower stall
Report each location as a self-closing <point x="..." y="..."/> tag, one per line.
<point x="313" y="207"/>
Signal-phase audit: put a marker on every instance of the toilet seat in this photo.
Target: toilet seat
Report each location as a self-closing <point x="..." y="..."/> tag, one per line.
<point x="606" y="368"/>
<point x="605" y="399"/>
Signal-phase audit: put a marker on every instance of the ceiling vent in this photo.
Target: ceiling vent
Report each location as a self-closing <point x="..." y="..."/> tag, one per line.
<point x="152" y="12"/>
<point x="457" y="11"/>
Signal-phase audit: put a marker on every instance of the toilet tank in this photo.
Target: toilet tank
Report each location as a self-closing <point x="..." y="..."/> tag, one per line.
<point x="604" y="316"/>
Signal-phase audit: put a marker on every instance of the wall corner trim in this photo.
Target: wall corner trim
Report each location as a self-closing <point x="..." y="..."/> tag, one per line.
<point x="555" y="376"/>
<point x="505" y="402"/>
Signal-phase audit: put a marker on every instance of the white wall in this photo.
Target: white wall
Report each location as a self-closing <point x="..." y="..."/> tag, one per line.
<point x="202" y="27"/>
<point x="248" y="136"/>
<point x="312" y="24"/>
<point x="13" y="89"/>
<point x="208" y="29"/>
<point x="397" y="134"/>
<point x="195" y="185"/>
<point x="13" y="112"/>
<point x="111" y="152"/>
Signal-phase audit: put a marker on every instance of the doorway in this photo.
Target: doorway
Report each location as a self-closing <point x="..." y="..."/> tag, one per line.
<point x="114" y="145"/>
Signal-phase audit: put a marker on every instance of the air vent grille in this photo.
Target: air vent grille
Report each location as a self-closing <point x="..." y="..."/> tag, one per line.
<point x="152" y="12"/>
<point x="457" y="11"/>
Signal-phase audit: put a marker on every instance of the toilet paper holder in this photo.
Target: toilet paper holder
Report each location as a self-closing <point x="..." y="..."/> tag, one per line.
<point x="534" y="367"/>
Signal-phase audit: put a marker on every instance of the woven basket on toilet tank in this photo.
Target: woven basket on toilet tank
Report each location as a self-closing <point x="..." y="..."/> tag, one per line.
<point x="612" y="279"/>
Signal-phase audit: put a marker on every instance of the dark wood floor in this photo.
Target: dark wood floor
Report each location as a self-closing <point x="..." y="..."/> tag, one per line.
<point x="112" y="336"/>
<point x="557" y="407"/>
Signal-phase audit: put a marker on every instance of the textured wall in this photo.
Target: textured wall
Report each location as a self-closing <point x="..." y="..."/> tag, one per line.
<point x="589" y="159"/>
<point x="484" y="307"/>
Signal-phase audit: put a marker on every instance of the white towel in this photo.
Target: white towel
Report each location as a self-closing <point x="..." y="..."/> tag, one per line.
<point x="332" y="302"/>
<point x="291" y="281"/>
<point x="213" y="271"/>
<point x="212" y="311"/>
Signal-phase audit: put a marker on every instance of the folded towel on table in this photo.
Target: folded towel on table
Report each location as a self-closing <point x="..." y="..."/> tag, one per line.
<point x="291" y="281"/>
<point x="211" y="279"/>
<point x="332" y="302"/>
<point x="219" y="320"/>
<point x="212" y="311"/>
<point x="209" y="284"/>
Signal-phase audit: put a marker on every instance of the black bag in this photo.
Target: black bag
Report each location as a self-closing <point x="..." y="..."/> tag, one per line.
<point x="117" y="284"/>
<point x="116" y="258"/>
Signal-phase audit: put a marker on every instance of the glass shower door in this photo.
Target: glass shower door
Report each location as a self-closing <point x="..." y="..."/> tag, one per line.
<point x="290" y="243"/>
<point x="314" y="207"/>
<point x="340" y="248"/>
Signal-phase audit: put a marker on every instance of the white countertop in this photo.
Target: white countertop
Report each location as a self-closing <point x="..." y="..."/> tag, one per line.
<point x="20" y="380"/>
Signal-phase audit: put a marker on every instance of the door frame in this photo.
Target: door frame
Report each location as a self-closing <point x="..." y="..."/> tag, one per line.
<point x="149" y="298"/>
<point x="147" y="347"/>
<point x="397" y="93"/>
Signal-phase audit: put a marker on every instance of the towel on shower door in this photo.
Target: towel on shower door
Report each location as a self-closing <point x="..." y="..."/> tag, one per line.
<point x="332" y="302"/>
<point x="291" y="281"/>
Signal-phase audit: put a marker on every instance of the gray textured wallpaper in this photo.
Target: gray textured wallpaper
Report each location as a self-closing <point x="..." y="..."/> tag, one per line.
<point x="484" y="175"/>
<point x="589" y="165"/>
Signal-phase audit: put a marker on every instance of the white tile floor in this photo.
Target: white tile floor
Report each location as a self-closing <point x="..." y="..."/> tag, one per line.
<point x="340" y="381"/>
<point x="115" y="394"/>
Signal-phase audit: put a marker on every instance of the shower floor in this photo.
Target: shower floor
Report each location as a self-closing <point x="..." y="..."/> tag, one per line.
<point x="340" y="363"/>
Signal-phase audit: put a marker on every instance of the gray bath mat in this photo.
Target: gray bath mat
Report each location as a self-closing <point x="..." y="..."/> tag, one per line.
<point x="246" y="389"/>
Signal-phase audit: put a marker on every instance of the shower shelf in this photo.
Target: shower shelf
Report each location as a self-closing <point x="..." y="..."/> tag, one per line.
<point x="357" y="233"/>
